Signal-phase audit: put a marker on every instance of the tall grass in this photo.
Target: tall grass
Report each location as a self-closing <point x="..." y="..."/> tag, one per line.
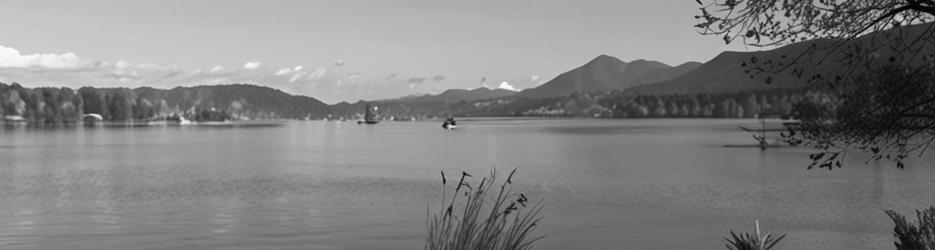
<point x="747" y="241"/>
<point x="911" y="236"/>
<point x="473" y="217"/>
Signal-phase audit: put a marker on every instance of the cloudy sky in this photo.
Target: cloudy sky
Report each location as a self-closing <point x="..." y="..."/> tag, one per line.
<point x="336" y="50"/>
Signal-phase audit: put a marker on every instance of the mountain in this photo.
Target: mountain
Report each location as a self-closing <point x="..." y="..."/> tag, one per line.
<point x="727" y="72"/>
<point x="601" y="73"/>
<point x="456" y="95"/>
<point x="663" y="74"/>
<point x="723" y="74"/>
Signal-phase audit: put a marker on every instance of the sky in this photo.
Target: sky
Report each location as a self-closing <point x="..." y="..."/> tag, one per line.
<point x="337" y="50"/>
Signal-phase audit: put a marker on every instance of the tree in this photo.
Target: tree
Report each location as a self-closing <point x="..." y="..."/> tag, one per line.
<point x="778" y="22"/>
<point x="143" y="109"/>
<point x="120" y="104"/>
<point x="92" y="101"/>
<point x="890" y="113"/>
<point x="68" y="105"/>
<point x="882" y="53"/>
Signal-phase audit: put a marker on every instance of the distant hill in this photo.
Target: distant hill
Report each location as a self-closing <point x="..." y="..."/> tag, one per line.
<point x="606" y="73"/>
<point x="726" y="73"/>
<point x="663" y="74"/>
<point x="245" y="99"/>
<point x="456" y="95"/>
<point x="723" y="74"/>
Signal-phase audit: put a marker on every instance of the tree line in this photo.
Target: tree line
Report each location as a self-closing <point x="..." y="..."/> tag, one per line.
<point x="202" y="103"/>
<point x="617" y="104"/>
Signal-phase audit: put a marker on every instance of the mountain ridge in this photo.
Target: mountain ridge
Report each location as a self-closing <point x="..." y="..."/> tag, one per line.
<point x="732" y="71"/>
<point x="605" y="72"/>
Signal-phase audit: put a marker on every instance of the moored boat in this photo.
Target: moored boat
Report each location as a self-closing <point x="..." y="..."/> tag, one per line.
<point x="370" y="116"/>
<point x="91" y="119"/>
<point x="450" y="123"/>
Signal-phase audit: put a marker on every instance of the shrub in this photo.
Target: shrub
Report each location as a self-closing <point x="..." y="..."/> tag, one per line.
<point x="747" y="241"/>
<point x="481" y="219"/>
<point x="910" y="236"/>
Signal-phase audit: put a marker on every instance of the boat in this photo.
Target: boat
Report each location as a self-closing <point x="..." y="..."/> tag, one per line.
<point x="450" y="123"/>
<point x="92" y="119"/>
<point x="370" y="116"/>
<point x="12" y="119"/>
<point x="178" y="119"/>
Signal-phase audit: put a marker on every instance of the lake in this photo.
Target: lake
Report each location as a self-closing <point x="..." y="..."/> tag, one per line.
<point x="607" y="184"/>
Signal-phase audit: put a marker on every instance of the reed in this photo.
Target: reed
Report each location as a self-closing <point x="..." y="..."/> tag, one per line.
<point x="747" y="241"/>
<point x="911" y="236"/>
<point x="474" y="217"/>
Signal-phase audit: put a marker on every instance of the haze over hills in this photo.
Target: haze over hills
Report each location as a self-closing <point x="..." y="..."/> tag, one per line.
<point x="456" y="95"/>
<point x="606" y="73"/>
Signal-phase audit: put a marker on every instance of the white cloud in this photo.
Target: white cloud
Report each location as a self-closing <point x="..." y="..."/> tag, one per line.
<point x="123" y="64"/>
<point x="297" y="75"/>
<point x="251" y="65"/>
<point x="534" y="78"/>
<point x="283" y="71"/>
<point x="12" y="58"/>
<point x="417" y="80"/>
<point x="507" y="86"/>
<point x="127" y="65"/>
<point x="317" y="74"/>
<point x="326" y="82"/>
<point x="286" y="71"/>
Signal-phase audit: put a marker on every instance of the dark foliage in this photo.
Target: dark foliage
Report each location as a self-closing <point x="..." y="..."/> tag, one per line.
<point x="910" y="236"/>
<point x="883" y="56"/>
<point x="889" y="112"/>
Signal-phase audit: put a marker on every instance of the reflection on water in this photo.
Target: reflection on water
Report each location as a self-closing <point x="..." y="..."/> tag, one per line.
<point x="329" y="185"/>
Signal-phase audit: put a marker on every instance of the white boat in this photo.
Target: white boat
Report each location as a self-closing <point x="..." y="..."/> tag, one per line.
<point x="450" y="123"/>
<point x="91" y="119"/>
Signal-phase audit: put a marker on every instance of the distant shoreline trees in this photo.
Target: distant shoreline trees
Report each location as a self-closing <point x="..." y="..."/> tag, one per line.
<point x="775" y="103"/>
<point x="203" y="103"/>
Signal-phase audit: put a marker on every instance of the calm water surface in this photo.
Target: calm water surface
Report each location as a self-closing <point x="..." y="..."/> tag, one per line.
<point x="607" y="184"/>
